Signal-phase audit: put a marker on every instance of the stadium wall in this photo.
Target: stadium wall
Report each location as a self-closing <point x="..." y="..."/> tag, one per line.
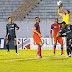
<point x="26" y="29"/>
<point x="29" y="44"/>
<point x="48" y="43"/>
<point x="3" y="44"/>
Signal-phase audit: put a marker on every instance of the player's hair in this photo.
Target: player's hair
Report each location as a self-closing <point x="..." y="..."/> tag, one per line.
<point x="8" y="18"/>
<point x="63" y="22"/>
<point x="56" y="18"/>
<point x="68" y="11"/>
<point x="37" y="17"/>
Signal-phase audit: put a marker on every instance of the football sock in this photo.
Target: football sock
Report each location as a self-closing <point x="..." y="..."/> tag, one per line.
<point x="54" y="49"/>
<point x="39" y="50"/>
<point x="68" y="51"/>
<point x="7" y="47"/>
<point x="61" y="50"/>
<point x="16" y="48"/>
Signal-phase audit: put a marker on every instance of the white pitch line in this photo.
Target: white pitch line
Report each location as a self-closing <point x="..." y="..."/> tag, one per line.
<point x="18" y="59"/>
<point x="27" y="59"/>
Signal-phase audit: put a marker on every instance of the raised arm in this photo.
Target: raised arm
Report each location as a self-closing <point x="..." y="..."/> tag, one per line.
<point x="62" y="10"/>
<point x="59" y="12"/>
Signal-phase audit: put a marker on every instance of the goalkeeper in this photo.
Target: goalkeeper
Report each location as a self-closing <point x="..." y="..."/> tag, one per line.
<point x="11" y="35"/>
<point x="65" y="15"/>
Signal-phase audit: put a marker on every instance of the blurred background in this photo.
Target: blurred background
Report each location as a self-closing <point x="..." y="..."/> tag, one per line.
<point x="23" y="13"/>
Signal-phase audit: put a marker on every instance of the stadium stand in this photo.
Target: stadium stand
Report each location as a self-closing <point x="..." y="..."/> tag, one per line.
<point x="23" y="9"/>
<point x="7" y="7"/>
<point x="45" y="9"/>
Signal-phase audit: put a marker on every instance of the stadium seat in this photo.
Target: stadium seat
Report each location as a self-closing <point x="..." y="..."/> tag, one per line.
<point x="45" y="9"/>
<point x="7" y="7"/>
<point x="48" y="9"/>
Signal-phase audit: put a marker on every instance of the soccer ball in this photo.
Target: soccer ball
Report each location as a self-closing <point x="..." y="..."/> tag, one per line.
<point x="59" y="3"/>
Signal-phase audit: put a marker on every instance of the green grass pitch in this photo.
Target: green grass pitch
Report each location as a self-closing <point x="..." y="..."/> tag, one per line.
<point x="27" y="61"/>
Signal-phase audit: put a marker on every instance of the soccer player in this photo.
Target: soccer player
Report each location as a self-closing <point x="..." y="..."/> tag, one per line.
<point x="65" y="15"/>
<point x="56" y="27"/>
<point x="68" y="31"/>
<point x="36" y="36"/>
<point x="10" y="34"/>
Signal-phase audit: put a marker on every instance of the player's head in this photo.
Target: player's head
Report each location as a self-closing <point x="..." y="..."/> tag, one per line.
<point x="9" y="19"/>
<point x="37" y="19"/>
<point x="63" y="24"/>
<point x="67" y="11"/>
<point x="56" y="20"/>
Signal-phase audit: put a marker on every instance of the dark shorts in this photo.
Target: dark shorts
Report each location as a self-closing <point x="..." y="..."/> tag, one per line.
<point x="11" y="38"/>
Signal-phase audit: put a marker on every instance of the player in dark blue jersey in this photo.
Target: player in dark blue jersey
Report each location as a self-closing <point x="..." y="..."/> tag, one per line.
<point x="68" y="30"/>
<point x="10" y="34"/>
